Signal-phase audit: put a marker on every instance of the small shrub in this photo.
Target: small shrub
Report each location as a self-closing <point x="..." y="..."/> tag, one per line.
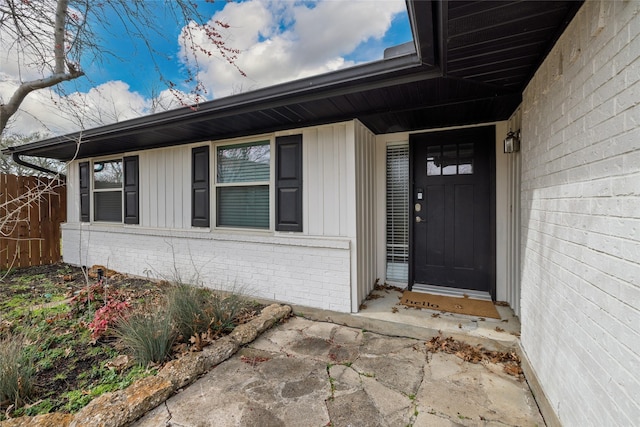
<point x="106" y="316"/>
<point x="16" y="371"/>
<point x="148" y="336"/>
<point x="189" y="309"/>
<point x="196" y="311"/>
<point x="225" y="310"/>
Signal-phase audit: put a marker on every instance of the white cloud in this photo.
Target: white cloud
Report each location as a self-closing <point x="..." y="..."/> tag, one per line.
<point x="279" y="41"/>
<point x="283" y="41"/>
<point x="47" y="112"/>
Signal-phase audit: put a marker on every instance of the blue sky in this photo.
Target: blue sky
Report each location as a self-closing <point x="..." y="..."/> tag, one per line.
<point x="132" y="59"/>
<point x="279" y="41"/>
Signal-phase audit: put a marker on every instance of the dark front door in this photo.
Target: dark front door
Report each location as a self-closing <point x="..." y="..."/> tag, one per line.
<point x="451" y="211"/>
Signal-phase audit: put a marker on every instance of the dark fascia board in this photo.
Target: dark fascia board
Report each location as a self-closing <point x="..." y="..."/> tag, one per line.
<point x="366" y="76"/>
<point x="421" y="11"/>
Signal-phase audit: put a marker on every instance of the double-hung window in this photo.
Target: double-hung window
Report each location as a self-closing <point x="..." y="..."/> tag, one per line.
<point x="107" y="190"/>
<point x="113" y="185"/>
<point x="242" y="185"/>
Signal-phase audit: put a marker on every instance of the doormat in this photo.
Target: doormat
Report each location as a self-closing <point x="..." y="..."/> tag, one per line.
<point x="472" y="307"/>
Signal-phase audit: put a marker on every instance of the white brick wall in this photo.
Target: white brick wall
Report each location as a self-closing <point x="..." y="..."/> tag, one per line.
<point x="309" y="271"/>
<point x="581" y="218"/>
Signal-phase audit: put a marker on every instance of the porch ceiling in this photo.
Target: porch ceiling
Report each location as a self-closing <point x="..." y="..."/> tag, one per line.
<point x="473" y="60"/>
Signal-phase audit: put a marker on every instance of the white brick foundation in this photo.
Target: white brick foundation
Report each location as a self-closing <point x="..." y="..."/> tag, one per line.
<point x="581" y="219"/>
<point x="309" y="271"/>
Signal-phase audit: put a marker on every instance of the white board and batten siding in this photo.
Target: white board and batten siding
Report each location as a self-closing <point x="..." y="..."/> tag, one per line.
<point x="366" y="202"/>
<point x="165" y="188"/>
<point x="320" y="267"/>
<point x="508" y="232"/>
<point x="73" y="190"/>
<point x="328" y="177"/>
<point x="339" y="191"/>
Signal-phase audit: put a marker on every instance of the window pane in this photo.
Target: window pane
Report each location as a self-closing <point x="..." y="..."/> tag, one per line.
<point x="449" y="159"/>
<point x="107" y="174"/>
<point x="107" y="206"/>
<point x="433" y="160"/>
<point x="244" y="163"/>
<point x="398" y="212"/>
<point x="465" y="159"/>
<point x="243" y="206"/>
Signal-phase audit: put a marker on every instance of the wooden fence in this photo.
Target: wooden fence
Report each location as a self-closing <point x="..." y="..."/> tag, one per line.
<point x="31" y="211"/>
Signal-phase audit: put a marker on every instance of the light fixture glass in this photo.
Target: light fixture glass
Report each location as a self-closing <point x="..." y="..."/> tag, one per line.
<point x="512" y="142"/>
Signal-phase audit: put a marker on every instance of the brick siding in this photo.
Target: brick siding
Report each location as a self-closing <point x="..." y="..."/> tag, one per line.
<point x="313" y="272"/>
<point x="581" y="218"/>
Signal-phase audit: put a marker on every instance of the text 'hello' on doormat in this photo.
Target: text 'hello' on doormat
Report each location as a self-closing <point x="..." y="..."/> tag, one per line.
<point x="471" y="307"/>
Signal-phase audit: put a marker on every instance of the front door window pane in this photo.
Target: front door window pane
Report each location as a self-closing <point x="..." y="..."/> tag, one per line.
<point x="465" y="159"/>
<point x="449" y="160"/>
<point x="433" y="160"/>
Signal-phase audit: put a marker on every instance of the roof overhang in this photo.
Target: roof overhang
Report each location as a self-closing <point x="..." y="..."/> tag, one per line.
<point x="472" y="61"/>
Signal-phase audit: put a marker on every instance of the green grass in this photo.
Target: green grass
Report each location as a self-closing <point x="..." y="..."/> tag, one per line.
<point x="109" y="381"/>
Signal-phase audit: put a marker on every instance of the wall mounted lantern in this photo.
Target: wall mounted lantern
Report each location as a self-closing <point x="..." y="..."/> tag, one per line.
<point x="512" y="142"/>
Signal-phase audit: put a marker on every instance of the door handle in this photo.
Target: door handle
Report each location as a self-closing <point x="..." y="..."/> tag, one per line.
<point x="419" y="219"/>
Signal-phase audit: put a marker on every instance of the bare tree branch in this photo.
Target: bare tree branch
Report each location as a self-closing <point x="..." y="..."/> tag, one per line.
<point x="50" y="38"/>
<point x="9" y="109"/>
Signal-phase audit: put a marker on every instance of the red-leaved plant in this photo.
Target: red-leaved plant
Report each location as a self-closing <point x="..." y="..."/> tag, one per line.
<point x="106" y="316"/>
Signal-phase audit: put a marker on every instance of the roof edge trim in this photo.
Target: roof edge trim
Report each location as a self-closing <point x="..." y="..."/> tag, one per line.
<point x="345" y="77"/>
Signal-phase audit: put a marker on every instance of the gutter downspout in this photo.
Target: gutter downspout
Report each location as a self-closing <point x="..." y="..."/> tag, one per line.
<point x="16" y="158"/>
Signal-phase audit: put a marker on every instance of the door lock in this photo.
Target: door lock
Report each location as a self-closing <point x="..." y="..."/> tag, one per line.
<point x="419" y="219"/>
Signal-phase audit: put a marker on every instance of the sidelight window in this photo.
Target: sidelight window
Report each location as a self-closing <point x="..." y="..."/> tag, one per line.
<point x="398" y="212"/>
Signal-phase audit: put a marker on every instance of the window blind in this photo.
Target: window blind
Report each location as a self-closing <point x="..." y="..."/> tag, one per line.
<point x="107" y="206"/>
<point x="243" y="206"/>
<point x="398" y="212"/>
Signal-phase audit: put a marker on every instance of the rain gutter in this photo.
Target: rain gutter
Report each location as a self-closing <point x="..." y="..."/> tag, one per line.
<point x="16" y="158"/>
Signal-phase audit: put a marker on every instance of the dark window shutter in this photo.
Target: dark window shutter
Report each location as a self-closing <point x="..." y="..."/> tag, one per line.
<point x="289" y="183"/>
<point x="85" y="186"/>
<point x="131" y="190"/>
<point x="200" y="187"/>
